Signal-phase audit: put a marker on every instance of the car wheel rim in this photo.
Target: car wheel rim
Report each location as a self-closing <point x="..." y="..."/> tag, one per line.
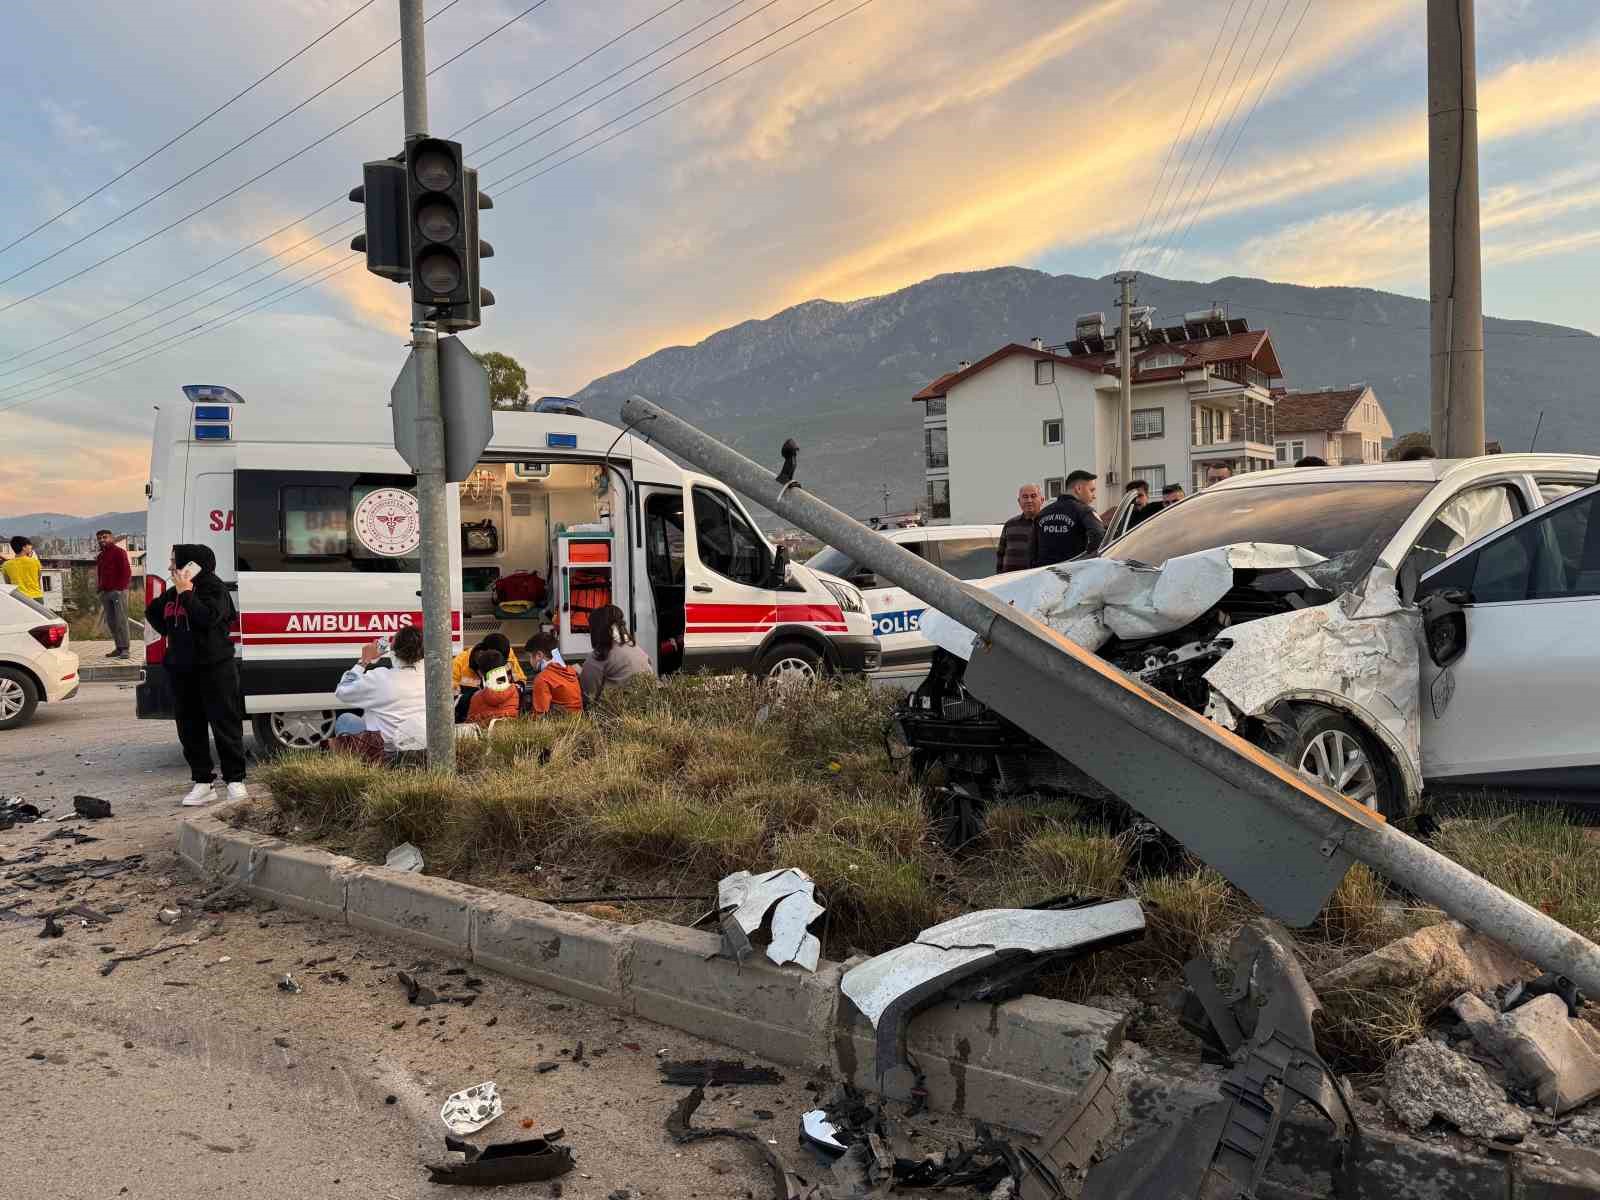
<point x="302" y="730"/>
<point x="792" y="670"/>
<point x="1337" y="759"/>
<point x="11" y="699"/>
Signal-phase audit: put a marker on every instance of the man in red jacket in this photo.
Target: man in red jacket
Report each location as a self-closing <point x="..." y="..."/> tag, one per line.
<point x="113" y="574"/>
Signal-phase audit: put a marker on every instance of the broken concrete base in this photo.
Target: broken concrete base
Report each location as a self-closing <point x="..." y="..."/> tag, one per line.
<point x="1541" y="1048"/>
<point x="1439" y="962"/>
<point x="1427" y="1080"/>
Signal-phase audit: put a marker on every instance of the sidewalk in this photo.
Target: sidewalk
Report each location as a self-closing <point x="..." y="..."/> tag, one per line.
<point x="96" y="666"/>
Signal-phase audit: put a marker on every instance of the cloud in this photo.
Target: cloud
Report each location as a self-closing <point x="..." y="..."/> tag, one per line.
<point x="68" y="126"/>
<point x="67" y="472"/>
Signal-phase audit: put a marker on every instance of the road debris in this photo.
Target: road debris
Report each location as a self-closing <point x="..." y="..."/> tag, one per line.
<point x="715" y="1072"/>
<point x="404" y="857"/>
<point x="1427" y="1080"/>
<point x="470" y="1109"/>
<point x="1548" y="984"/>
<point x="91" y="808"/>
<point x="423" y="996"/>
<point x="52" y="927"/>
<point x="161" y="947"/>
<point x="1437" y="963"/>
<point x="785" y="1184"/>
<point x="169" y="915"/>
<point x="526" y="1161"/>
<point x="744" y="902"/>
<point x="1000" y="946"/>
<point x="287" y="984"/>
<point x="14" y="811"/>
<point x="56" y="874"/>
<point x="1070" y="1146"/>
<point x="1543" y="1050"/>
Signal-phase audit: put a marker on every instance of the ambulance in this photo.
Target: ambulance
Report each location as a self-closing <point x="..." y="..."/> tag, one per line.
<point x="314" y="520"/>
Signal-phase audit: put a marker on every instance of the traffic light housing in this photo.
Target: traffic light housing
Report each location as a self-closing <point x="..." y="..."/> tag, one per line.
<point x="436" y="196"/>
<point x="470" y="314"/>
<point x="387" y="240"/>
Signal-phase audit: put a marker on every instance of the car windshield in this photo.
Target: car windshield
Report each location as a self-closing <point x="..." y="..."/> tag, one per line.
<point x="1348" y="523"/>
<point x="831" y="562"/>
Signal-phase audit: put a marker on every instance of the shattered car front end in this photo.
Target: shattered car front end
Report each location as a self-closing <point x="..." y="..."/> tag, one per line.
<point x="1259" y="637"/>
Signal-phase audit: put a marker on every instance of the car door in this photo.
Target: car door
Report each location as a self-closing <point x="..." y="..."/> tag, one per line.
<point x="1517" y="708"/>
<point x="728" y="608"/>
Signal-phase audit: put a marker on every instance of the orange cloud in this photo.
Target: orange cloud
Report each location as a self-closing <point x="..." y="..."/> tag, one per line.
<point x="63" y="470"/>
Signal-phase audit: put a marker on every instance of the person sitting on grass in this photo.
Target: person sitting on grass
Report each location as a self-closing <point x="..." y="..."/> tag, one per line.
<point x="465" y="676"/>
<point x="390" y="693"/>
<point x="555" y="685"/>
<point x="498" y="697"/>
<point x="616" y="659"/>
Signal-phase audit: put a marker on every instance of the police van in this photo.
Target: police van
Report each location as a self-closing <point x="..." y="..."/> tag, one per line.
<point x="314" y="520"/>
<point x="965" y="551"/>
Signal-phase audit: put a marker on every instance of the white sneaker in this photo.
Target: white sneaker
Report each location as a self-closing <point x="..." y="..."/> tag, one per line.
<point x="237" y="791"/>
<point x="200" y="793"/>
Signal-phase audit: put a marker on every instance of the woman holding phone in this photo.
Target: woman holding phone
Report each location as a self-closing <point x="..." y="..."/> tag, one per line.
<point x="194" y="615"/>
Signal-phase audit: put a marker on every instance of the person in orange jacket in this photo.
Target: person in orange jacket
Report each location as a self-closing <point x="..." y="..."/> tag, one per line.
<point x="555" y="685"/>
<point x="498" y="696"/>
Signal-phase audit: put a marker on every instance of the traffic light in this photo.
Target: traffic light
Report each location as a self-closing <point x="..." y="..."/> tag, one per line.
<point x="387" y="239"/>
<point x="436" y="193"/>
<point x="470" y="314"/>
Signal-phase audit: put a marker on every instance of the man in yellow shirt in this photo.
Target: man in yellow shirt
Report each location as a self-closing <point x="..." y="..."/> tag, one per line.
<point x="23" y="570"/>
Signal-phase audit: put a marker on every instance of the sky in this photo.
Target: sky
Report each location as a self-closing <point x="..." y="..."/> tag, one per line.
<point x="879" y="144"/>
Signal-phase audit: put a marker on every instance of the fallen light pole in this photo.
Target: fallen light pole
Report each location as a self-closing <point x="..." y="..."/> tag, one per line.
<point x="1283" y="839"/>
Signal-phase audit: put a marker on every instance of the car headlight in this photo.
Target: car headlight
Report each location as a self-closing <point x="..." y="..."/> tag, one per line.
<point x="849" y="599"/>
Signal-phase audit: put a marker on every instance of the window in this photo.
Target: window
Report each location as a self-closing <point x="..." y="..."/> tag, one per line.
<point x="663" y="540"/>
<point x="1154" y="362"/>
<point x="301" y="521"/>
<point x="1149" y="423"/>
<point x="1156" y="477"/>
<point x="935" y="407"/>
<point x="1552" y="490"/>
<point x="1210" y="426"/>
<point x="936" y="444"/>
<point x="1052" y="433"/>
<point x="939" y="499"/>
<point x="1290" y="452"/>
<point x="836" y="562"/>
<point x="1463" y="520"/>
<point x="728" y="544"/>
<point x="47" y="583"/>
<point x="1044" y="370"/>
<point x="968" y="558"/>
<point x="1554" y="556"/>
<point x="1054" y="487"/>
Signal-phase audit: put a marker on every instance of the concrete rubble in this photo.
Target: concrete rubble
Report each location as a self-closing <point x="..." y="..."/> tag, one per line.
<point x="1541" y="1048"/>
<point x="1439" y="962"/>
<point x="1428" y="1080"/>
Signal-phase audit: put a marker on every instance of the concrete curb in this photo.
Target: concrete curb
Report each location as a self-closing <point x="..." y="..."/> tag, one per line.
<point x="108" y="674"/>
<point x="1016" y="1064"/>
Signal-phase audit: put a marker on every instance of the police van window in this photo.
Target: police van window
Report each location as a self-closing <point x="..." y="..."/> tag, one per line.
<point x="727" y="543"/>
<point x="325" y="521"/>
<point x="967" y="558"/>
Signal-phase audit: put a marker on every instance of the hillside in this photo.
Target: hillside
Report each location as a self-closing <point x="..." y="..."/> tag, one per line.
<point x="838" y="377"/>
<point x="63" y="525"/>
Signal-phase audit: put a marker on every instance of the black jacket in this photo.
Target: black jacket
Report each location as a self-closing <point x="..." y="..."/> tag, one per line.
<point x="1067" y="528"/>
<point x="195" y="623"/>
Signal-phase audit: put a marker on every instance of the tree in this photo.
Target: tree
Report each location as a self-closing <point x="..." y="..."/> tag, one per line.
<point x="508" y="381"/>
<point x="1408" y="441"/>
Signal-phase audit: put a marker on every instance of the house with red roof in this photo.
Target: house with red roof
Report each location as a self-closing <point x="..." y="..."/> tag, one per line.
<point x="1341" y="425"/>
<point x="1203" y="396"/>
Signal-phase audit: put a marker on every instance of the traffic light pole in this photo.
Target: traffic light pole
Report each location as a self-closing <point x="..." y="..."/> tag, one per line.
<point x="431" y="496"/>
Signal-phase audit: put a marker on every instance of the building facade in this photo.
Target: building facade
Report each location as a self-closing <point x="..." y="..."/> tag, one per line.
<point x="1202" y="396"/>
<point x="1341" y="425"/>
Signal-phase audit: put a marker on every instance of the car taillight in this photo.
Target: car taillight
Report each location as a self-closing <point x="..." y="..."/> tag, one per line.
<point x="49" y="636"/>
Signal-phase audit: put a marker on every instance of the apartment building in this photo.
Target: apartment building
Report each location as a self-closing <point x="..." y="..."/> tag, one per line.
<point x="1341" y="425"/>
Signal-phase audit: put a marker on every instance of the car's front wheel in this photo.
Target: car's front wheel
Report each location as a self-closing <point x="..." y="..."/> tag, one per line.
<point x="1337" y="752"/>
<point x="19" y="696"/>
<point x="791" y="662"/>
<point x="283" y="731"/>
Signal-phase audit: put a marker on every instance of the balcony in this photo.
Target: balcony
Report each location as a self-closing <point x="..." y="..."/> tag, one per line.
<point x="1238" y="448"/>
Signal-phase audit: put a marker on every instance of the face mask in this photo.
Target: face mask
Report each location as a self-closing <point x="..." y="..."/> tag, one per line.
<point x="498" y="680"/>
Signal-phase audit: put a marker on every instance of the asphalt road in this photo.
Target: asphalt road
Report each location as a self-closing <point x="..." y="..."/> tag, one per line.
<point x="191" y="1074"/>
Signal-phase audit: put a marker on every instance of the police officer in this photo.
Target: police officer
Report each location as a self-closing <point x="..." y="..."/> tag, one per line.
<point x="1069" y="526"/>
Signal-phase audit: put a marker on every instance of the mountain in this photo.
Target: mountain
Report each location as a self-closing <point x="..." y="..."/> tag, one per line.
<point x="61" y="525"/>
<point x="838" y="377"/>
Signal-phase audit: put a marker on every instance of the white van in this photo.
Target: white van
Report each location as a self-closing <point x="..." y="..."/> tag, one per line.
<point x="965" y="551"/>
<point x="313" y="518"/>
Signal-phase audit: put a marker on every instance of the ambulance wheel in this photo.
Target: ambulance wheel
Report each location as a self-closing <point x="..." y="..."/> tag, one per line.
<point x="791" y="662"/>
<point x="280" y="732"/>
<point x="18" y="698"/>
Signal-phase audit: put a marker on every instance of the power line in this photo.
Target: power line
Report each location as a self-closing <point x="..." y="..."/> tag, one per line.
<point x="1222" y="165"/>
<point x="1137" y="230"/>
<point x="263" y="174"/>
<point x="1221" y="130"/>
<point x="178" y="137"/>
<point x="1240" y="133"/>
<point x="664" y="92"/>
<point x="1195" y="144"/>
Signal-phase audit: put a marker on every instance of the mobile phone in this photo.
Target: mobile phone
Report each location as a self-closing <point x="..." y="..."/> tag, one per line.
<point x="383" y="645"/>
<point x="190" y="570"/>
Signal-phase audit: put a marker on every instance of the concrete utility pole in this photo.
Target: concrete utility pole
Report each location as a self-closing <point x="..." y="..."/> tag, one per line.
<point x="432" y="502"/>
<point x="1125" y="352"/>
<point x="1455" y="269"/>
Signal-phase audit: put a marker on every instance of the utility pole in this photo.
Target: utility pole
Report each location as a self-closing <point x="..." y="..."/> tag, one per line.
<point x="1125" y="353"/>
<point x="433" y="507"/>
<point x="1455" y="268"/>
<point x="886" y="499"/>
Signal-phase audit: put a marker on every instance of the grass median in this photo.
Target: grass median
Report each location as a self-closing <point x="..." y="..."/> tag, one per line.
<point x="664" y="790"/>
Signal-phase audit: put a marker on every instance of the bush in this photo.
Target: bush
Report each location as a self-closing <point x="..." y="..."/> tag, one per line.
<point x="317" y="790"/>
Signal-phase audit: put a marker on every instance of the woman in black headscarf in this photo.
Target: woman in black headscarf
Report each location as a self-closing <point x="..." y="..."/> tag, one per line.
<point x="195" y="614"/>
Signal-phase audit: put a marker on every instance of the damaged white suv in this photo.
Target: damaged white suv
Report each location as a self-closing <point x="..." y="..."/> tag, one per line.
<point x="1285" y="605"/>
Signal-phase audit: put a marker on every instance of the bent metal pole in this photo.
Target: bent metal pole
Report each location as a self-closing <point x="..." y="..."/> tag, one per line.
<point x="1337" y="825"/>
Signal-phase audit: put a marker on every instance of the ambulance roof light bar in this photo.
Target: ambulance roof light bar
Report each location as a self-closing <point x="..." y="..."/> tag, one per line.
<point x="211" y="393"/>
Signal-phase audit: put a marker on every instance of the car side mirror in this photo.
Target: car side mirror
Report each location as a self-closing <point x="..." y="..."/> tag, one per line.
<point x="863" y="580"/>
<point x="778" y="575"/>
<point x="1444" y="625"/>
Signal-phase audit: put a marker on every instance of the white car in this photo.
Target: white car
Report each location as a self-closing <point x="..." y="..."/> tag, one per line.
<point x="965" y="551"/>
<point x="35" y="661"/>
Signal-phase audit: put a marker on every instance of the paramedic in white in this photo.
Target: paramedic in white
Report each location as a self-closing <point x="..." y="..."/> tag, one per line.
<point x="390" y="691"/>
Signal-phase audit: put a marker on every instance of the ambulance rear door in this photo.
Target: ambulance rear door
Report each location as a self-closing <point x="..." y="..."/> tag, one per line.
<point x="326" y="540"/>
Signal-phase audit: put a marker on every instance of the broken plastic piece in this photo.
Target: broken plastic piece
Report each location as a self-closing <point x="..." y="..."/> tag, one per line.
<point x="785" y="1184"/>
<point x="743" y="902"/>
<point x="404" y="857"/>
<point x="287" y="984"/>
<point x="470" y="1109"/>
<point x="890" y="987"/>
<point x="169" y="915"/>
<point x="91" y="808"/>
<point x="715" y="1072"/>
<point x="818" y="1131"/>
<point x="1069" y="1147"/>
<point x="504" y="1162"/>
